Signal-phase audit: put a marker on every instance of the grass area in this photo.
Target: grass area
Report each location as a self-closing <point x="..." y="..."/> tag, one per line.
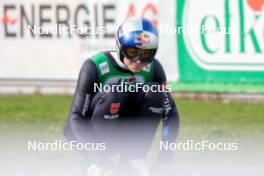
<point x="33" y="115"/>
<point x="217" y="87"/>
<point x="205" y="119"/>
<point x="25" y="118"/>
<point x="199" y="119"/>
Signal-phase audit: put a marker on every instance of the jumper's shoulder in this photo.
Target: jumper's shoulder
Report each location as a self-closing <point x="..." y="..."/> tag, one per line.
<point x="158" y="72"/>
<point x="99" y="57"/>
<point x="157" y="63"/>
<point x="94" y="61"/>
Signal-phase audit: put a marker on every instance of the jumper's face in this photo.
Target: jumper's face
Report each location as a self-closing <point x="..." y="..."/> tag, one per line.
<point x="134" y="66"/>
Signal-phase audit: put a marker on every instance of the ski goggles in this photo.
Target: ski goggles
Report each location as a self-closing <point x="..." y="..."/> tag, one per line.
<point x="143" y="55"/>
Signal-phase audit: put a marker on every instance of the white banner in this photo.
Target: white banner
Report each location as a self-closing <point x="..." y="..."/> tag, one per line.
<point x="41" y="39"/>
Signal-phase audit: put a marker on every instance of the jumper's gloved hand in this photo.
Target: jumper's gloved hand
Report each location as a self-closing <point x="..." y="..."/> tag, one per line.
<point x="129" y="86"/>
<point x="135" y="167"/>
<point x="123" y="81"/>
<point x="161" y="168"/>
<point x="124" y="84"/>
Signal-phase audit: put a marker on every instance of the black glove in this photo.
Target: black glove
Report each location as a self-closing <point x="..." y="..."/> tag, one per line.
<point x="158" y="169"/>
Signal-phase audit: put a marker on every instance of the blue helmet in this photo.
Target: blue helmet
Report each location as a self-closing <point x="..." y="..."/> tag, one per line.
<point x="137" y="39"/>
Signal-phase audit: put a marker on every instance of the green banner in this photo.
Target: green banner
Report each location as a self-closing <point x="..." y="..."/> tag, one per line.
<point x="220" y="41"/>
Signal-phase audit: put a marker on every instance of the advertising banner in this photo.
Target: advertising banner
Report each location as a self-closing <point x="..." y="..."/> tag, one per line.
<point x="43" y="39"/>
<point x="223" y="42"/>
